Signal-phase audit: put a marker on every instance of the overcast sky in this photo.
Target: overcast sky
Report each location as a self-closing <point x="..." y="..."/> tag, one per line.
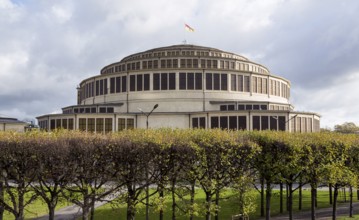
<point x="47" y="47"/>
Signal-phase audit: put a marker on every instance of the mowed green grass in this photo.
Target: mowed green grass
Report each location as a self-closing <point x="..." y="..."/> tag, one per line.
<point x="228" y="207"/>
<point x="36" y="209"/>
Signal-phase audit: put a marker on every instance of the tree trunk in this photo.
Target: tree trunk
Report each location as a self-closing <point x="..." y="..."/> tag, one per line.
<point x="161" y="195"/>
<point x="262" y="197"/>
<point x="85" y="212"/>
<point x="1" y="198"/>
<point x="286" y="197"/>
<point x="268" y="197"/>
<point x="334" y="215"/>
<point x="316" y="197"/>
<point x="216" y="214"/>
<point x="208" y="205"/>
<point x="281" y="197"/>
<point x="192" y="199"/>
<point x="130" y="204"/>
<point x="173" y="199"/>
<point x="300" y="195"/>
<point x="330" y="194"/>
<point x="21" y="207"/>
<point x="290" y="200"/>
<point x="313" y="198"/>
<point x="350" y="201"/>
<point x="92" y="211"/>
<point x="86" y="208"/>
<point x="357" y="194"/>
<point x="51" y="208"/>
<point x="147" y="193"/>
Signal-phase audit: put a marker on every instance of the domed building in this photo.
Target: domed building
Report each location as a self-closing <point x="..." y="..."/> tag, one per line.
<point x="183" y="86"/>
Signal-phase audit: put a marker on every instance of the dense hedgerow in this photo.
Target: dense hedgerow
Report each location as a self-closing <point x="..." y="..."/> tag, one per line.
<point x="84" y="168"/>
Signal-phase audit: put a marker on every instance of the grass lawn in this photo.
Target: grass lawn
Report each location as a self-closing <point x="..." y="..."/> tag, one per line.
<point x="228" y="207"/>
<point x="36" y="209"/>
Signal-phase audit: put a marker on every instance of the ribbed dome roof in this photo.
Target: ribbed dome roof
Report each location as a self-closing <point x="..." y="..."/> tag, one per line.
<point x="184" y="47"/>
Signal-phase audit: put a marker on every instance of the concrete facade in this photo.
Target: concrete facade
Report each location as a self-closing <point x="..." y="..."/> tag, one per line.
<point x="193" y="86"/>
<point x="11" y="124"/>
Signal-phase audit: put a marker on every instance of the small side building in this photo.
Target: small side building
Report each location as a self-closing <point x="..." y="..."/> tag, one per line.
<point x="11" y="124"/>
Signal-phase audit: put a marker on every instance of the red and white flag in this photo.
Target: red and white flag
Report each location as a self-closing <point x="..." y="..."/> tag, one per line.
<point x="188" y="28"/>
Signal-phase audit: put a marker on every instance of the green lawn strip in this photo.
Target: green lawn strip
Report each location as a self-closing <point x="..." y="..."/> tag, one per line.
<point x="228" y="207"/>
<point x="36" y="209"/>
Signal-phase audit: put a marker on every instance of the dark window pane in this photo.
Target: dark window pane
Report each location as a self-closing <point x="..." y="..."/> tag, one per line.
<point x="97" y="87"/>
<point x="139" y="82"/>
<point x="273" y="122"/>
<point x="194" y="122"/>
<point x="163" y="63"/>
<point x="263" y="107"/>
<point x="224" y="122"/>
<point x="223" y="108"/>
<point x="110" y="110"/>
<point x="102" y="110"/>
<point x="209" y="81"/>
<point x="112" y="85"/>
<point x="118" y="84"/>
<point x="132" y="83"/>
<point x="105" y="87"/>
<point x="172" y="81"/>
<point x="93" y="110"/>
<point x="156" y="81"/>
<point x="92" y="89"/>
<point x="240" y="83"/>
<point x="248" y="107"/>
<point x="216" y="85"/>
<point x="164" y="83"/>
<point x="255" y="107"/>
<point x="241" y="107"/>
<point x="256" y="123"/>
<point x="190" y="81"/>
<point x="214" y="122"/>
<point x="182" y="81"/>
<point x="146" y="82"/>
<point x="233" y="82"/>
<point x="224" y="82"/>
<point x="150" y="64"/>
<point x="264" y="120"/>
<point x="246" y="84"/>
<point x="230" y="107"/>
<point x="52" y="124"/>
<point x="198" y="81"/>
<point x="155" y="64"/>
<point x="183" y="63"/>
<point x="101" y="87"/>
<point x="242" y="122"/>
<point x="202" y="122"/>
<point x="281" y="123"/>
<point x="233" y="122"/>
<point x="124" y="84"/>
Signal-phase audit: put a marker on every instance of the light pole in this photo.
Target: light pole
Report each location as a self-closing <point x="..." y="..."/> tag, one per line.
<point x="148" y="114"/>
<point x="147" y="168"/>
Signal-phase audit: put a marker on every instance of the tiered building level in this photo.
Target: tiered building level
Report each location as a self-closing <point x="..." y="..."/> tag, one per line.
<point x="193" y="87"/>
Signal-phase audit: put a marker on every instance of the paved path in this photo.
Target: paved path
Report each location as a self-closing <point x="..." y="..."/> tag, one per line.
<point x="73" y="212"/>
<point x="322" y="214"/>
